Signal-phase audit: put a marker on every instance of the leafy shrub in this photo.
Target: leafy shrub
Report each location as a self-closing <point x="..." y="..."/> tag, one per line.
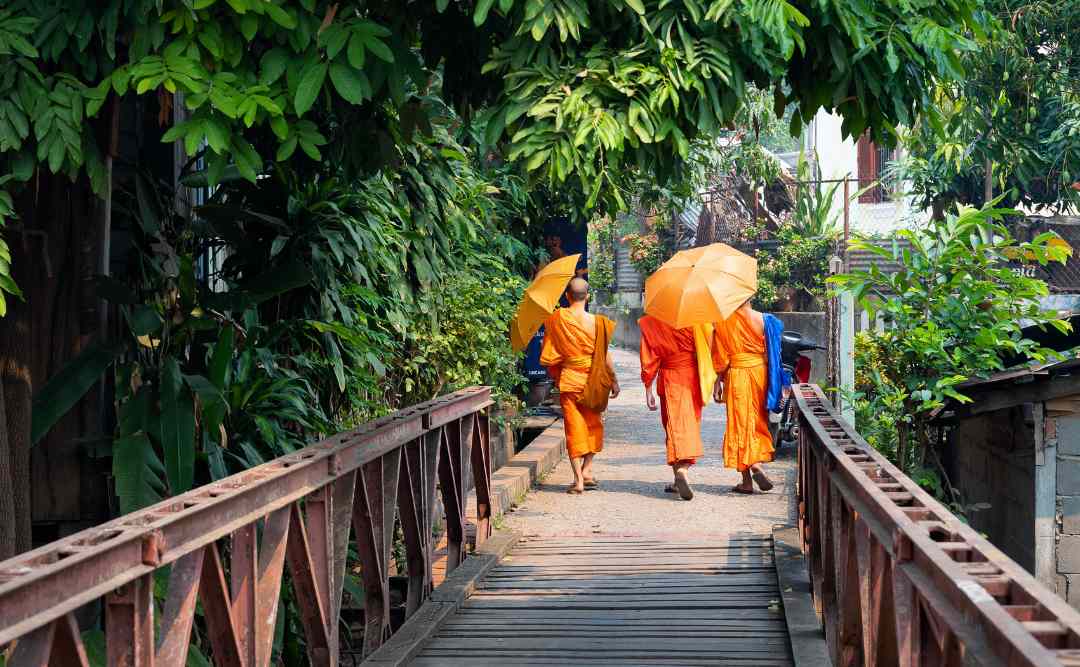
<point x="955" y="309"/>
<point x="799" y="263"/>
<point x="601" y="235"/>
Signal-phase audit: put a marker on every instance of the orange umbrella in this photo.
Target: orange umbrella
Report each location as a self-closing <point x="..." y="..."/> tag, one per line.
<point x="540" y="299"/>
<point x="701" y="285"/>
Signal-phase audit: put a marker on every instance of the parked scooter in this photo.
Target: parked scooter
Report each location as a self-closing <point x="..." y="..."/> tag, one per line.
<point x="797" y="367"/>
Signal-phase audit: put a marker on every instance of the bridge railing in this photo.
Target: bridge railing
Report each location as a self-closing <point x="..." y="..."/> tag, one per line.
<point x="897" y="578"/>
<point x="226" y="546"/>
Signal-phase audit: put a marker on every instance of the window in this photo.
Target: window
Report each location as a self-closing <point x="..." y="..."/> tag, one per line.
<point x="873" y="160"/>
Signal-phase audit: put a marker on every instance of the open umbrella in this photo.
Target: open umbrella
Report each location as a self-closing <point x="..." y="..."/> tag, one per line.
<point x="701" y="285"/>
<point x="540" y="299"/>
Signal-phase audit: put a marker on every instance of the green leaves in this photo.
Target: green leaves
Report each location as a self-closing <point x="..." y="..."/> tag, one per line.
<point x="177" y="428"/>
<point x="955" y="308"/>
<point x="350" y="83"/>
<point x="64" y="390"/>
<point x="137" y="471"/>
<point x="16" y="33"/>
<point x="311" y="82"/>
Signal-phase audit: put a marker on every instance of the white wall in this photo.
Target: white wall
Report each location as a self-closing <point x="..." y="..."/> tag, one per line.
<point x="838" y="158"/>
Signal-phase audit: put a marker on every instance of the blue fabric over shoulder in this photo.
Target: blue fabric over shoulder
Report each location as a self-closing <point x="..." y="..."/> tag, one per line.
<point x="777" y="376"/>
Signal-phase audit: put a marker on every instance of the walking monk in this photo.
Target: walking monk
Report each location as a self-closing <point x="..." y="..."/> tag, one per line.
<point x="746" y="378"/>
<point x="569" y="353"/>
<point x="671" y="357"/>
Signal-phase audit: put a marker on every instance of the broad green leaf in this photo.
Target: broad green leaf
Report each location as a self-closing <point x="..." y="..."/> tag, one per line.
<point x="331" y="346"/>
<point x="355" y="52"/>
<point x="286" y="149"/>
<point x="144" y="320"/>
<point x="62" y="391"/>
<point x="272" y="66"/>
<point x="280" y="16"/>
<point x="177" y="428"/>
<point x="379" y="48"/>
<point x="311" y="82"/>
<point x="137" y="472"/>
<point x="351" y="84"/>
<point x="482" y="9"/>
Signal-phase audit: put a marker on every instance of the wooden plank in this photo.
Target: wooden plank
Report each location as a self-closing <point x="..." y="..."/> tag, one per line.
<point x="526" y="659"/>
<point x="656" y="579"/>
<point x="774" y="646"/>
<point x="620" y="600"/>
<point x="564" y="656"/>
<point x="610" y="622"/>
<point x="407" y="642"/>
<point x="452" y="629"/>
<point x="523" y="588"/>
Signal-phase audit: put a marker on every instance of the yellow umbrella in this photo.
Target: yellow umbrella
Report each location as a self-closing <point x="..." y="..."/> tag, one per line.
<point x="540" y="299"/>
<point x="701" y="285"/>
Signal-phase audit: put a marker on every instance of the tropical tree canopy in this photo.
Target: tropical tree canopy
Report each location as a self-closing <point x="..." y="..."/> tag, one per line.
<point x="1017" y="110"/>
<point x="580" y="90"/>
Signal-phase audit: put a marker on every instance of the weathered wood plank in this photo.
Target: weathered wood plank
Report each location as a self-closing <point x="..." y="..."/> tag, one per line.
<point x="620" y="600"/>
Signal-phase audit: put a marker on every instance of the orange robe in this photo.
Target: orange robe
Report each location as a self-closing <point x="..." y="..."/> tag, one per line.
<point x="567" y="354"/>
<point x="670" y="353"/>
<point x="739" y="359"/>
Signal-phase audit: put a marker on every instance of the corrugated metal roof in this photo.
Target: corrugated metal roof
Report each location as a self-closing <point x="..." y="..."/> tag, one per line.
<point x="861" y="260"/>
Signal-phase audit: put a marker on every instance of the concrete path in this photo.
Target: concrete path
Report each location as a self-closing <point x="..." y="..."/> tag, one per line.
<point x="632" y="471"/>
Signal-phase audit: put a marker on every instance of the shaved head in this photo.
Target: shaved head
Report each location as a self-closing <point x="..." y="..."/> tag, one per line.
<point x="578" y="290"/>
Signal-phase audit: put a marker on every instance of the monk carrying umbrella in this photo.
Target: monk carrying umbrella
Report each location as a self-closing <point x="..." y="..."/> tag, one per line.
<point x="575" y="354"/>
<point x="706" y="286"/>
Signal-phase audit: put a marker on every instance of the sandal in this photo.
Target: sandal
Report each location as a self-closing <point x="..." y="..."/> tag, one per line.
<point x="574" y="491"/>
<point x="738" y="489"/>
<point x="763" y="482"/>
<point x="592" y="483"/>
<point x="683" y="485"/>
<point x="670" y="488"/>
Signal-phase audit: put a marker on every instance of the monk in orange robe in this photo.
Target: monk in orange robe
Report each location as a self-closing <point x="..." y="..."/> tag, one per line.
<point x="569" y="343"/>
<point x="669" y="356"/>
<point x="741" y="368"/>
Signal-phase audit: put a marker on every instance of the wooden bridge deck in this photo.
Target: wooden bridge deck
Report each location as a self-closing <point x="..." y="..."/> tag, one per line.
<point x="621" y="600"/>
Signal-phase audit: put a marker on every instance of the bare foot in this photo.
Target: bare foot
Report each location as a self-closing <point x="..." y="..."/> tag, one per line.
<point x="683" y="485"/>
<point x="763" y="482"/>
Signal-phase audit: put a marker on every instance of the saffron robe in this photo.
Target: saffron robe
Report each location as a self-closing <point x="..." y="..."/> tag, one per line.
<point x="568" y="356"/>
<point x="739" y="357"/>
<point x="669" y="356"/>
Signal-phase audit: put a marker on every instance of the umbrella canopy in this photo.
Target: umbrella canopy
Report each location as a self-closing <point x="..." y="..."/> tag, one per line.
<point x="701" y="285"/>
<point x="540" y="299"/>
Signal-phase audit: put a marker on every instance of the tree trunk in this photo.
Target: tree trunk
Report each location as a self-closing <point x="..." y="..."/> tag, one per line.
<point x="903" y="432"/>
<point x="7" y="490"/>
<point x="16" y="376"/>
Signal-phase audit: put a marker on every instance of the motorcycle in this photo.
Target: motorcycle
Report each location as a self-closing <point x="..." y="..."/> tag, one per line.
<point x="797" y="368"/>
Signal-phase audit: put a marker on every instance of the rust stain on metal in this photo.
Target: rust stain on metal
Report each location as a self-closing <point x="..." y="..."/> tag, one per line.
<point x="116" y="561"/>
<point x="929" y="589"/>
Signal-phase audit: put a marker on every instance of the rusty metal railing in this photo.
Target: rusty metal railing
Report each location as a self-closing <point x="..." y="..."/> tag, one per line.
<point x="899" y="580"/>
<point x="227" y="544"/>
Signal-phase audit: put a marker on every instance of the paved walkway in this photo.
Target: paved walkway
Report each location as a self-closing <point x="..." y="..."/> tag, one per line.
<point x="632" y="473"/>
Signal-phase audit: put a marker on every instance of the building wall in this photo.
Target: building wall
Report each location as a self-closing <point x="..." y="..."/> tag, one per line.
<point x="1068" y="508"/>
<point x="991" y="459"/>
<point x="838" y="158"/>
